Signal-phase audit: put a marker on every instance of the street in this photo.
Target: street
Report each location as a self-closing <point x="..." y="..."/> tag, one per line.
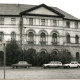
<point x="38" y="73"/>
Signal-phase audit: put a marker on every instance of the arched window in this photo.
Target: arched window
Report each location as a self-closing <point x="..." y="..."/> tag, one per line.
<point x="54" y="52"/>
<point x="54" y="37"/>
<point x="43" y="37"/>
<point x="68" y="38"/>
<point x="30" y="36"/>
<point x="1" y="36"/>
<point x="13" y="36"/>
<point x="43" y="52"/>
<point x="77" y="55"/>
<point x="77" y="39"/>
<point x="54" y="56"/>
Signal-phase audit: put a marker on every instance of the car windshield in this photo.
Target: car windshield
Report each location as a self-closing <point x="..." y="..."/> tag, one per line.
<point x="22" y="62"/>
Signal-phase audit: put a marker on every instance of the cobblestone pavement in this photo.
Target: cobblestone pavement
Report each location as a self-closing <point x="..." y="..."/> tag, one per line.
<point x="38" y="73"/>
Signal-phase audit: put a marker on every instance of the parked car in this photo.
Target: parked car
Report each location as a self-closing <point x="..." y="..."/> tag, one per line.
<point x="53" y="64"/>
<point x="23" y="64"/>
<point x="72" y="64"/>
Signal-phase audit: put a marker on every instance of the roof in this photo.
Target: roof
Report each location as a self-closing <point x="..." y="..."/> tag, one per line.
<point x="13" y="9"/>
<point x="67" y="15"/>
<point x="16" y="9"/>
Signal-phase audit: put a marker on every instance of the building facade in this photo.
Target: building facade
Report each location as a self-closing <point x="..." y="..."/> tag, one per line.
<point x="41" y="27"/>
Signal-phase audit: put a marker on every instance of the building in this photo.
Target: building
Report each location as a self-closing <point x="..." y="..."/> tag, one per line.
<point x="41" y="27"/>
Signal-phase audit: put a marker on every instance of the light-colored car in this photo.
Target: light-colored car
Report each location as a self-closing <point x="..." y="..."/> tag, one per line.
<point x="53" y="64"/>
<point x="72" y="64"/>
<point x="23" y="64"/>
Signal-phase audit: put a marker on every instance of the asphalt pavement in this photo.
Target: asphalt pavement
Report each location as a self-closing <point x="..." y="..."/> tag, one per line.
<point x="38" y="73"/>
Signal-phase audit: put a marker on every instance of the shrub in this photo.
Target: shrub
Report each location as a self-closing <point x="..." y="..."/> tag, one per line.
<point x="54" y="57"/>
<point x="66" y="56"/>
<point x="42" y="58"/>
<point x="30" y="55"/>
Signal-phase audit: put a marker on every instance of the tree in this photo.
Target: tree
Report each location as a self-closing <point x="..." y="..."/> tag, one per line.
<point x="54" y="56"/>
<point x="66" y="56"/>
<point x="12" y="52"/>
<point x="42" y="58"/>
<point x="30" y="55"/>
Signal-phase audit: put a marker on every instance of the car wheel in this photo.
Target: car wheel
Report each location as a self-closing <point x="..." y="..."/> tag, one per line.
<point x="44" y="67"/>
<point x="77" y="66"/>
<point x="13" y="67"/>
<point x="27" y="66"/>
<point x="58" y="66"/>
<point x="68" y="66"/>
<point x="16" y="67"/>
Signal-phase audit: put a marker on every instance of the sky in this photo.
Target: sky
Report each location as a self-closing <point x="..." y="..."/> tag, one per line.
<point x="70" y="6"/>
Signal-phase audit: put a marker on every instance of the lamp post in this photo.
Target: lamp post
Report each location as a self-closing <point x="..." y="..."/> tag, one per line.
<point x="4" y="58"/>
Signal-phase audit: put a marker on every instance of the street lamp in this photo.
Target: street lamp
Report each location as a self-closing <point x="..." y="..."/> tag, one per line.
<point x="4" y="49"/>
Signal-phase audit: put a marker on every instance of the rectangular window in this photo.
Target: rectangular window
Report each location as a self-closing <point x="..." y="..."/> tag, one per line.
<point x="76" y="25"/>
<point x="43" y="22"/>
<point x="13" y="21"/>
<point x="54" y="23"/>
<point x="68" y="24"/>
<point x="30" y="21"/>
<point x="1" y="21"/>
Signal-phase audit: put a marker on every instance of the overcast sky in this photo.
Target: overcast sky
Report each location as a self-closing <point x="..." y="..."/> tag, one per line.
<point x="70" y="6"/>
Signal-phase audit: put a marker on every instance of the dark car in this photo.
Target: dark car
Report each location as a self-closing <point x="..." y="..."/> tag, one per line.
<point x="21" y="64"/>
